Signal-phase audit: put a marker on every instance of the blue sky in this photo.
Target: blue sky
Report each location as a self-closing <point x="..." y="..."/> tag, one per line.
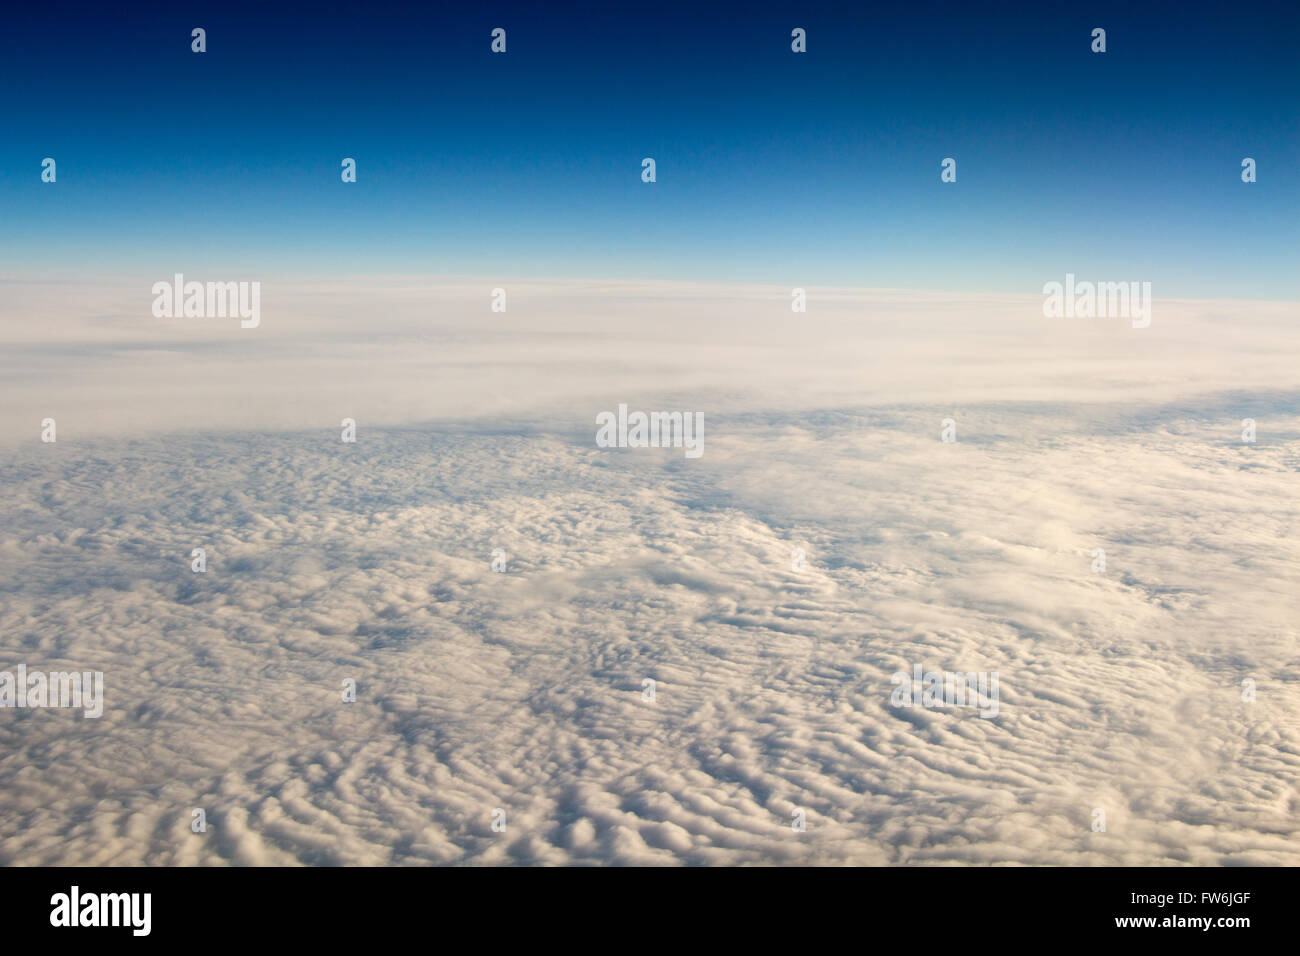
<point x="821" y="168"/>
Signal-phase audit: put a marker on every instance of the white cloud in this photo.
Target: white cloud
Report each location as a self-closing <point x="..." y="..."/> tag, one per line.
<point x="523" y="690"/>
<point x="401" y="350"/>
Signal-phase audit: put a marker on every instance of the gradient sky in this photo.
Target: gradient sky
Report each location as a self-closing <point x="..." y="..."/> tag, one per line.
<point x="820" y="168"/>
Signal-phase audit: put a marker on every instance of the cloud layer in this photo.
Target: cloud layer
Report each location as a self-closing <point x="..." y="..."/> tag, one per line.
<point x="402" y="350"/>
<point x="1120" y="690"/>
<point x="523" y="690"/>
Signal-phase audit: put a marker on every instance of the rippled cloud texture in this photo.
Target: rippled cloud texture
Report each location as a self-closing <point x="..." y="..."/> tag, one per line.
<point x="1120" y="690"/>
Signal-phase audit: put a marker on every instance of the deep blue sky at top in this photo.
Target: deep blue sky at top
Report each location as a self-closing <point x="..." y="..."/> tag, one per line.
<point x="821" y="168"/>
